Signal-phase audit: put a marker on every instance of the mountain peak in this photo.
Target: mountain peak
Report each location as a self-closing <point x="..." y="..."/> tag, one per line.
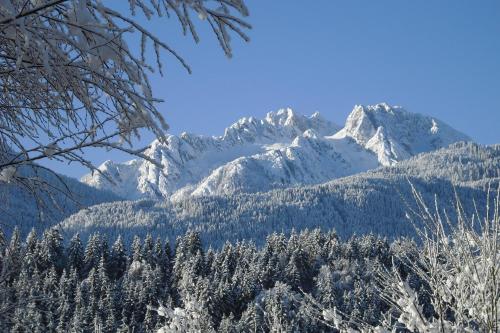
<point x="282" y="117"/>
<point x="284" y="124"/>
<point x="364" y="120"/>
<point x="394" y="134"/>
<point x="316" y="115"/>
<point x="283" y="149"/>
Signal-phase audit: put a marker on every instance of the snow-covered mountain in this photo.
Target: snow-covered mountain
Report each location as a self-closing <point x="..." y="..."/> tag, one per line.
<point x="377" y="201"/>
<point x="395" y="134"/>
<point x="284" y="149"/>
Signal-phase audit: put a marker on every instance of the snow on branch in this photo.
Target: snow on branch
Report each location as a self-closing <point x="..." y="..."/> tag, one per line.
<point x="70" y="80"/>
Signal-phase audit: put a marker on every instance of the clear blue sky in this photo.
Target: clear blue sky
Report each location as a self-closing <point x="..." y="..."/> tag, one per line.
<point x="440" y="58"/>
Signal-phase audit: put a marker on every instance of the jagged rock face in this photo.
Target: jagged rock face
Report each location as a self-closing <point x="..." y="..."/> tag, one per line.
<point x="284" y="149"/>
<point x="395" y="134"/>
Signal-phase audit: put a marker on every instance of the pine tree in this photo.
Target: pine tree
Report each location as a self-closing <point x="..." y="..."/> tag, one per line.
<point x="136" y="249"/>
<point x="3" y="241"/>
<point x="31" y="255"/>
<point x="148" y="291"/>
<point x="281" y="305"/>
<point x="227" y="324"/>
<point x="29" y="308"/>
<point x="52" y="250"/>
<point x="13" y="254"/>
<point x="93" y="252"/>
<point x="82" y="319"/>
<point x="292" y="274"/>
<point x="159" y="253"/>
<point x="75" y="254"/>
<point x="66" y="300"/>
<point x="325" y="288"/>
<point x="22" y="289"/>
<point x="106" y="309"/>
<point x="127" y="304"/>
<point x="50" y="300"/>
<point x="252" y="320"/>
<point x="147" y="251"/>
<point x="33" y="318"/>
<point x="150" y="319"/>
<point x="117" y="260"/>
<point x="168" y="252"/>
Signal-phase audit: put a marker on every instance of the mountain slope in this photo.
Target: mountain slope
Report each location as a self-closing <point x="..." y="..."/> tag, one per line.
<point x="375" y="201"/>
<point x="54" y="198"/>
<point x="395" y="134"/>
<point x="282" y="150"/>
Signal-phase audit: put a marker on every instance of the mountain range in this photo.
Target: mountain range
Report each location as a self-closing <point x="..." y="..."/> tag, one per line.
<point x="282" y="150"/>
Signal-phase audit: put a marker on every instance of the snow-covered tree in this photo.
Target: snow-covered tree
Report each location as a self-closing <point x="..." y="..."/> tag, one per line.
<point x="74" y="74"/>
<point x="75" y="254"/>
<point x="460" y="263"/>
<point x="458" y="266"/>
<point x="223" y="289"/>
<point x="117" y="259"/>
<point x="192" y="318"/>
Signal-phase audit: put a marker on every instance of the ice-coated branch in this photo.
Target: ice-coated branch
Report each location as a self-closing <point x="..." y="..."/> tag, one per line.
<point x="70" y="80"/>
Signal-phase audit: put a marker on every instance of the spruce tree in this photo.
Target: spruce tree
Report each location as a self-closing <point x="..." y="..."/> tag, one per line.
<point x="31" y="256"/>
<point x="50" y="299"/>
<point x="65" y="306"/>
<point x="52" y="250"/>
<point x="117" y="259"/>
<point x="75" y="254"/>
<point x="147" y="251"/>
<point x="12" y="256"/>
<point x="136" y="249"/>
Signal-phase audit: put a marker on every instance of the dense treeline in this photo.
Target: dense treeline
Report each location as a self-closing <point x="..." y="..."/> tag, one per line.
<point x="355" y="206"/>
<point x="48" y="286"/>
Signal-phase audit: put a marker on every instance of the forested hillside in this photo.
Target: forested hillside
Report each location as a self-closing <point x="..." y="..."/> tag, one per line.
<point x="44" y="198"/>
<point x="377" y="202"/>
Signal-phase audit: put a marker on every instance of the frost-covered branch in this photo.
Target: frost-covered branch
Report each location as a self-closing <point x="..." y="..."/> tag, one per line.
<point x="70" y="81"/>
<point x="459" y="267"/>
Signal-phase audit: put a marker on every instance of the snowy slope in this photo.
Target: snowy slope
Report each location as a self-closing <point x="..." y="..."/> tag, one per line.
<point x="284" y="149"/>
<point x="376" y="201"/>
<point x="53" y="199"/>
